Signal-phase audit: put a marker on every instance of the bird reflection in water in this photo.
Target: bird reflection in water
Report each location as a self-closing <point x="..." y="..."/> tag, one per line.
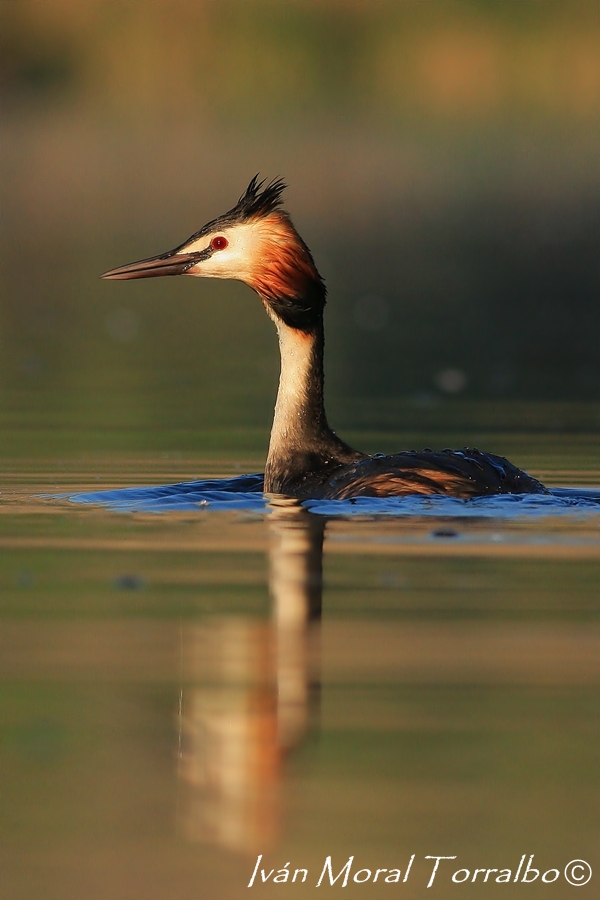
<point x="258" y="695"/>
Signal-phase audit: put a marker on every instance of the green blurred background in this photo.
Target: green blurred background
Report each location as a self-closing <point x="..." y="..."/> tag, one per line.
<point x="442" y="159"/>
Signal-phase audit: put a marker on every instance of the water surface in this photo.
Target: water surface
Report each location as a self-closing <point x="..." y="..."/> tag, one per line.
<point x="193" y="674"/>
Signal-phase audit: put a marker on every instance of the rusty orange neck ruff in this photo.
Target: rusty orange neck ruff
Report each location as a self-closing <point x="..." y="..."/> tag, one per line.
<point x="284" y="275"/>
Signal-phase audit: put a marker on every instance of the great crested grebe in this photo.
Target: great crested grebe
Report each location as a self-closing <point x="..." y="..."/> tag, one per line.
<point x="256" y="242"/>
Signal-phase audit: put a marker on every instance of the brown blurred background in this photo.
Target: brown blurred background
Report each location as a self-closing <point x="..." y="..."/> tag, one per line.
<point x="443" y="167"/>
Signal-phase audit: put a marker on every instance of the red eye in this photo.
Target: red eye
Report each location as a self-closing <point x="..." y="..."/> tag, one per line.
<point x="219" y="243"/>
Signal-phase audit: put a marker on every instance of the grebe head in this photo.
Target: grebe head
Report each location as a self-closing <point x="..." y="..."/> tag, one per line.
<point x="254" y="242"/>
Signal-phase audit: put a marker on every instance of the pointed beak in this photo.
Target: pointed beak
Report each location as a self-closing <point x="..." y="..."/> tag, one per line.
<point x="171" y="263"/>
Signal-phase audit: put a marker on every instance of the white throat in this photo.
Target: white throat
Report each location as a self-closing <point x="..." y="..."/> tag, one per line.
<point x="299" y="414"/>
<point x="302" y="445"/>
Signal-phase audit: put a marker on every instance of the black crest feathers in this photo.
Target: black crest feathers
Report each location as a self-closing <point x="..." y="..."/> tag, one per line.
<point x="257" y="200"/>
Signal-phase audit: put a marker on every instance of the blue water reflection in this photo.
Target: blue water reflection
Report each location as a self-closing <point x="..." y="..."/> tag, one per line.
<point x="245" y="493"/>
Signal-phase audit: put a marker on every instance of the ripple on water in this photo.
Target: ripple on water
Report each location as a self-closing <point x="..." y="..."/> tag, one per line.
<point x="245" y="493"/>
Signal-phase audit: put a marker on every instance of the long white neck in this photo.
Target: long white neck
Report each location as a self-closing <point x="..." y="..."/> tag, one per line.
<point x="299" y="410"/>
<point x="301" y="440"/>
